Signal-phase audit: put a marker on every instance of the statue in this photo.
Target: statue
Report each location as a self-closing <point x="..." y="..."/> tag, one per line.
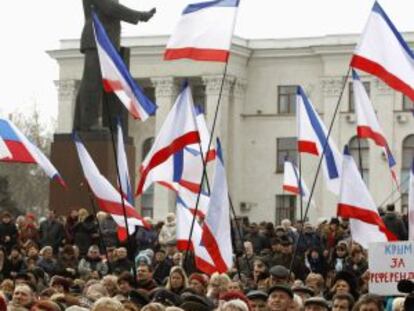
<point x="88" y="108"/>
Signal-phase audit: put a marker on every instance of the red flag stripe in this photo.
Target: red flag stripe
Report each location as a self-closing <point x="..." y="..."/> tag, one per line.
<point x="308" y="147"/>
<point x="197" y="54"/>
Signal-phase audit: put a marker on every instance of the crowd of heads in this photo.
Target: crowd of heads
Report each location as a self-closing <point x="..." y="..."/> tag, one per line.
<point x="78" y="262"/>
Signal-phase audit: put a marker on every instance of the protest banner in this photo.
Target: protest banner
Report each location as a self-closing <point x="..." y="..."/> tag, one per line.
<point x="390" y="262"/>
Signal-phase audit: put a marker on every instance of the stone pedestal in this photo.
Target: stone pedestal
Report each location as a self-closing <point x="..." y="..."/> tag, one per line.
<point x="65" y="158"/>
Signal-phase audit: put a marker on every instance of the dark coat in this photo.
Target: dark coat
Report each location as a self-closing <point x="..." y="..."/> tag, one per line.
<point x="162" y="270"/>
<point x="9" y="230"/>
<point x="52" y="234"/>
<point x="396" y="225"/>
<point x="122" y="265"/>
<point x="84" y="234"/>
<point x="5" y="270"/>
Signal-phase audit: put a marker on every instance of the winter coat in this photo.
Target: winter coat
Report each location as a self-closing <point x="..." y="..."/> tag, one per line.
<point x="48" y="265"/>
<point x="396" y="225"/>
<point x="87" y="266"/>
<point x="8" y="230"/>
<point x="162" y="270"/>
<point x="145" y="238"/>
<point x="83" y="234"/>
<point x="168" y="233"/>
<point x="109" y="230"/>
<point x="121" y="265"/>
<point x="52" y="234"/>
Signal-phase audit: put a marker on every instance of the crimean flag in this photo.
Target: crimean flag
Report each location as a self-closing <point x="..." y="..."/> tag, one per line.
<point x="204" y="32"/>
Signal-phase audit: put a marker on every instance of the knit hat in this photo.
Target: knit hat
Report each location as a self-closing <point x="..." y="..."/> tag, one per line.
<point x="200" y="278"/>
<point x="233" y="295"/>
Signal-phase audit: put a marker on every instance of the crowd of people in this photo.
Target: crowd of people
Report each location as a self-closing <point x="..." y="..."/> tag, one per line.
<point x="78" y="263"/>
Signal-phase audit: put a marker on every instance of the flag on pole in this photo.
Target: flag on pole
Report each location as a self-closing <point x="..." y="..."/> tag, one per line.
<point x="383" y="52"/>
<point x="123" y="166"/>
<point x="216" y="226"/>
<point x="312" y="139"/>
<point x="16" y="147"/>
<point x="204" y="32"/>
<point x="178" y="131"/>
<point x="117" y="78"/>
<point x="368" y="125"/>
<point x="292" y="182"/>
<point x="202" y="258"/>
<point x="108" y="198"/>
<point x="411" y="204"/>
<point x="356" y="203"/>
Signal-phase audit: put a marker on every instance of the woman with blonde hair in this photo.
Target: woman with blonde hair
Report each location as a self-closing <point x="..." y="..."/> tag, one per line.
<point x="107" y="304"/>
<point x="85" y="231"/>
<point x="177" y="281"/>
<point x="218" y="285"/>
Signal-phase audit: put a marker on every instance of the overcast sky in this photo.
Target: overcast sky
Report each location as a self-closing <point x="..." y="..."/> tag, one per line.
<point x="31" y="27"/>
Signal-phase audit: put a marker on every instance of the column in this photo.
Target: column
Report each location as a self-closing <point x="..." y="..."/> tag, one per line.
<point x="213" y="85"/>
<point x="66" y="100"/>
<point x="166" y="91"/>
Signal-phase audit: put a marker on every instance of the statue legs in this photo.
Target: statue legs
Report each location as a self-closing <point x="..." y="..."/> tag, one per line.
<point x="88" y="111"/>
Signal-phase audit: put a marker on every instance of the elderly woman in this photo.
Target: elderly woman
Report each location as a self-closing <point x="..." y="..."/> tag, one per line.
<point x="46" y="262"/>
<point x="177" y="281"/>
<point x="219" y="284"/>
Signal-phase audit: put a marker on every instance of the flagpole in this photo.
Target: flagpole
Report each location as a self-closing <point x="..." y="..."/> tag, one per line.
<point x="94" y="209"/>
<point x="108" y="108"/>
<point x="320" y="164"/>
<point x="300" y="188"/>
<point x="203" y="176"/>
<point x="360" y="157"/>
<point x="402" y="183"/>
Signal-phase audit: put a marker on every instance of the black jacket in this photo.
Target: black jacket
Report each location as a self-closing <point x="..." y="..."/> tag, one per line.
<point x="51" y="233"/>
<point x="395" y="225"/>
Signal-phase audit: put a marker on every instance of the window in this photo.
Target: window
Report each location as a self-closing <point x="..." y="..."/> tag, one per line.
<point x="407" y="104"/>
<point x="407" y="158"/>
<point x="351" y="106"/>
<point x="286" y="149"/>
<point x="147" y="198"/>
<point x="285" y="208"/>
<point x="286" y="101"/>
<point x="359" y="149"/>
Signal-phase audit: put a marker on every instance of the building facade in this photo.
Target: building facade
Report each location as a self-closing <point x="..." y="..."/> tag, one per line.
<point x="257" y="123"/>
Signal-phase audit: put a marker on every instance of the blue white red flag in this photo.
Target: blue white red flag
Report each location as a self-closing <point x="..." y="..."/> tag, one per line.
<point x="356" y="203"/>
<point x="204" y="32"/>
<point x="164" y="162"/>
<point x="383" y="52"/>
<point x="107" y="197"/>
<point x="203" y="260"/>
<point x="411" y="204"/>
<point x="292" y="182"/>
<point x="15" y="147"/>
<point x="216" y="227"/>
<point x="368" y="125"/>
<point x="123" y="166"/>
<point x="312" y="139"/>
<point x="116" y="77"/>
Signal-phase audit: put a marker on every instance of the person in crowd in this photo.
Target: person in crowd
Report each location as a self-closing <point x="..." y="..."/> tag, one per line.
<point x="280" y="298"/>
<point x="147" y="237"/>
<point x="47" y="262"/>
<point x="257" y="300"/>
<point x="245" y="262"/>
<point x="177" y="281"/>
<point x="109" y="230"/>
<point x="121" y="263"/>
<point x="8" y="232"/>
<point x="70" y="223"/>
<point x="92" y="264"/>
<point x="5" y="267"/>
<point x="315" y="261"/>
<point x="51" y="232"/>
<point x="110" y="282"/>
<point x="317" y="304"/>
<point x="332" y="234"/>
<point x="23" y="298"/>
<point x="394" y="223"/>
<point x="198" y="283"/>
<point x="369" y="303"/>
<point x="218" y="284"/>
<point x="259" y="241"/>
<point x="344" y="283"/>
<point x="29" y="231"/>
<point x="145" y="277"/>
<point x="162" y="265"/>
<point x="316" y="283"/>
<point x="16" y="260"/>
<point x="168" y="231"/>
<point x="342" y="302"/>
<point x="339" y="255"/>
<point x="357" y="263"/>
<point x="67" y="263"/>
<point x="85" y="231"/>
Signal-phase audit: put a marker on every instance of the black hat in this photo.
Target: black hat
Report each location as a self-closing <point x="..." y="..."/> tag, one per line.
<point x="279" y="271"/>
<point x="334" y="221"/>
<point x="257" y="294"/>
<point x="317" y="301"/>
<point x="303" y="289"/>
<point x="196" y="302"/>
<point x="282" y="288"/>
<point x="138" y="297"/>
<point x="347" y="277"/>
<point x="285" y="240"/>
<point x="166" y="297"/>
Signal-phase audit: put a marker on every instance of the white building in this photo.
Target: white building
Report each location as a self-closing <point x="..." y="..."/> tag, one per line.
<point x="257" y="121"/>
